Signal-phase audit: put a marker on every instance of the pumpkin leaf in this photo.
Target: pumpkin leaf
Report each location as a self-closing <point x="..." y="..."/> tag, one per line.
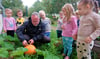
<point x="1" y="41"/>
<point x="9" y="38"/>
<point x="4" y="53"/>
<point x="19" y="51"/>
<point x="8" y="46"/>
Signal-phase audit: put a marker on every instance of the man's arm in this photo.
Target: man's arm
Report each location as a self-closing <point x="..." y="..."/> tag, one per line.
<point x="41" y="35"/>
<point x="20" y="30"/>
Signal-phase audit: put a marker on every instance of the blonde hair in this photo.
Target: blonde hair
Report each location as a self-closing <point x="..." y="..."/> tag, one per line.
<point x="42" y="12"/>
<point x="8" y="9"/>
<point x="69" y="10"/>
<point x="85" y="2"/>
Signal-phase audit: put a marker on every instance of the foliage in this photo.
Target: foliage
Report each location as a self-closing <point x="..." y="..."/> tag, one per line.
<point x="4" y="53"/>
<point x="54" y="6"/>
<point x="51" y="6"/>
<point x="36" y="7"/>
<point x="19" y="51"/>
<point x="12" y="47"/>
<point x="14" y="5"/>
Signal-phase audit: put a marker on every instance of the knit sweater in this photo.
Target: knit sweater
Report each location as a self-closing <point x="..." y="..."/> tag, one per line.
<point x="89" y="26"/>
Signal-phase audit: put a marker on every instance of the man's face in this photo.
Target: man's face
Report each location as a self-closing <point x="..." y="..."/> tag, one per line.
<point x="35" y="20"/>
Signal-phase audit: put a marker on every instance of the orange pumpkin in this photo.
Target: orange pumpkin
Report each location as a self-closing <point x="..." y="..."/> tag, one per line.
<point x="31" y="49"/>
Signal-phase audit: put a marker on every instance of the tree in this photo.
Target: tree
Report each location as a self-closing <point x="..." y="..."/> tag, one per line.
<point x="51" y="6"/>
<point x="37" y="6"/>
<point x="54" y="6"/>
<point x="13" y="4"/>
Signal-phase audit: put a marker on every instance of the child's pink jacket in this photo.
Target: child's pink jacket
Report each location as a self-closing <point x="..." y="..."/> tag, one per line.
<point x="9" y="23"/>
<point x="70" y="28"/>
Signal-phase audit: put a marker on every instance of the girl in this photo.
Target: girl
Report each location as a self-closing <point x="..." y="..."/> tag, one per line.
<point x="89" y="29"/>
<point x="9" y="23"/>
<point x="20" y="19"/>
<point x="59" y="23"/>
<point x="69" y="28"/>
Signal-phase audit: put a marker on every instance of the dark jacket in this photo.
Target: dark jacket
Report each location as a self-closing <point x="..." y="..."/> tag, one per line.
<point x="34" y="32"/>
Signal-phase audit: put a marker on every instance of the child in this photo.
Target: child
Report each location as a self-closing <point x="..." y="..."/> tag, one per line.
<point x="9" y="23"/>
<point x="89" y="29"/>
<point x="59" y="23"/>
<point x="46" y="21"/>
<point x="68" y="29"/>
<point x="20" y="19"/>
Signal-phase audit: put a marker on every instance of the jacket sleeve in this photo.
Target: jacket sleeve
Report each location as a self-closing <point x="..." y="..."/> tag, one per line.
<point x="41" y="36"/>
<point x="4" y="24"/>
<point x="20" y="31"/>
<point x="96" y="22"/>
<point x="74" y="25"/>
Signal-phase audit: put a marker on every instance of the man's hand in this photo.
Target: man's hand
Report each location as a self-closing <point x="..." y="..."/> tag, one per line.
<point x="88" y="40"/>
<point x="31" y="41"/>
<point x="25" y="43"/>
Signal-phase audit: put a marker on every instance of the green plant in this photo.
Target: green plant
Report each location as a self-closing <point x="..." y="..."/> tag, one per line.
<point x="12" y="47"/>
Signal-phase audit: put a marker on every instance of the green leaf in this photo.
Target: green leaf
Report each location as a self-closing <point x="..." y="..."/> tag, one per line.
<point x="4" y="53"/>
<point x="19" y="51"/>
<point x="1" y="41"/>
<point x="8" y="46"/>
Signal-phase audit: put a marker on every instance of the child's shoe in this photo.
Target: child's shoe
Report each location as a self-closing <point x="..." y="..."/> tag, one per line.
<point x="66" y="57"/>
<point x="63" y="54"/>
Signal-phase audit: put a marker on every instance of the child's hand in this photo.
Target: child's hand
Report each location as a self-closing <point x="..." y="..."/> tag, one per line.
<point x="74" y="37"/>
<point x="88" y="40"/>
<point x="63" y="27"/>
<point x="5" y="31"/>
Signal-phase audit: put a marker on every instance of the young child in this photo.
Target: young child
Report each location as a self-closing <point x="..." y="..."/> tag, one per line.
<point x="89" y="29"/>
<point x="20" y="19"/>
<point x="46" y="21"/>
<point x="69" y="28"/>
<point x="59" y="23"/>
<point x="9" y="23"/>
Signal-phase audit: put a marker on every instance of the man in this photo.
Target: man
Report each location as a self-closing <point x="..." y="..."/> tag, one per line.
<point x="32" y="31"/>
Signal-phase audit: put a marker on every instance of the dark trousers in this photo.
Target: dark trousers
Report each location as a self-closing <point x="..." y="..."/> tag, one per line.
<point x="10" y="32"/>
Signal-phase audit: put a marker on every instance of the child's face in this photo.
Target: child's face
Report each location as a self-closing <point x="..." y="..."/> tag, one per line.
<point x="42" y="15"/>
<point x="19" y="14"/>
<point x="61" y="15"/>
<point x="8" y="13"/>
<point x="82" y="9"/>
<point x="64" y="12"/>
